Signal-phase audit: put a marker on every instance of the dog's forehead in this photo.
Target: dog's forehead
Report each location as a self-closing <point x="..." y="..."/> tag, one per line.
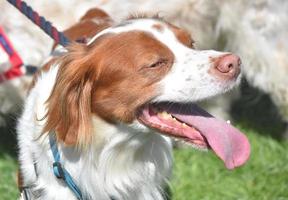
<point x="163" y="32"/>
<point x="145" y="25"/>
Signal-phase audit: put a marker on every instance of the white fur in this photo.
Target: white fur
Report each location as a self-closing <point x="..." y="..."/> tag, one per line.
<point x="126" y="161"/>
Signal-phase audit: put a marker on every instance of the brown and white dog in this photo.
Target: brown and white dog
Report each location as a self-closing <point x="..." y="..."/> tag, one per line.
<point x="112" y="103"/>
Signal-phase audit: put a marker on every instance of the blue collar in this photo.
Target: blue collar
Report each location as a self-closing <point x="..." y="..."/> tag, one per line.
<point x="59" y="171"/>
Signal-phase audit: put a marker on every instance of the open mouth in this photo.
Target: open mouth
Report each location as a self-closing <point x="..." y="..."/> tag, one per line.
<point x="192" y="124"/>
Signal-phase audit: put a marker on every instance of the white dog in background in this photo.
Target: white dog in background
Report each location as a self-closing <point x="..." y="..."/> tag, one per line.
<point x="256" y="30"/>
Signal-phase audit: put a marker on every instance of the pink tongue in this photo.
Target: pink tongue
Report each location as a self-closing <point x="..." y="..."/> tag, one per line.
<point x="226" y="141"/>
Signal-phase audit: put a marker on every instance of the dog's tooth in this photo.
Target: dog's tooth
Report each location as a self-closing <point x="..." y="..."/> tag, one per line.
<point x="184" y="125"/>
<point x="228" y="122"/>
<point x="164" y="115"/>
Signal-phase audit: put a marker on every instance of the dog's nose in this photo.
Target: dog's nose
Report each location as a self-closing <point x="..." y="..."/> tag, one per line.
<point x="227" y="66"/>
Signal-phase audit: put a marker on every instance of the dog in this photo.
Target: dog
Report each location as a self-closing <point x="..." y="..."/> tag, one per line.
<point x="112" y="105"/>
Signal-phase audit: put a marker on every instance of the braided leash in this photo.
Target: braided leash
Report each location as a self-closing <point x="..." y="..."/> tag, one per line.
<point x="40" y="21"/>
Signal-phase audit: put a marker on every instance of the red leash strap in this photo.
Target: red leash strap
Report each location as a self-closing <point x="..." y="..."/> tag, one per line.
<point x="12" y="66"/>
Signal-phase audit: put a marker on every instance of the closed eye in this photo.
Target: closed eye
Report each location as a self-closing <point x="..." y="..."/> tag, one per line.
<point x="160" y="63"/>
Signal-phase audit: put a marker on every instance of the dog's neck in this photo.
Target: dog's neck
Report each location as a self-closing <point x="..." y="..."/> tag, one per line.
<point x="120" y="159"/>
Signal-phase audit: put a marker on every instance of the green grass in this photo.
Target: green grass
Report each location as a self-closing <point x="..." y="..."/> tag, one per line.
<point x="8" y="162"/>
<point x="8" y="168"/>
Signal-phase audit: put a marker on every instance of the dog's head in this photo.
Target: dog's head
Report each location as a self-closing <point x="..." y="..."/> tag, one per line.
<point x="145" y="73"/>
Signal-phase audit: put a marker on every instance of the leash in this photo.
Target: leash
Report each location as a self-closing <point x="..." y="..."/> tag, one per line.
<point x="11" y="64"/>
<point x="10" y="61"/>
<point x="15" y="60"/>
<point x="59" y="171"/>
<point x="41" y="22"/>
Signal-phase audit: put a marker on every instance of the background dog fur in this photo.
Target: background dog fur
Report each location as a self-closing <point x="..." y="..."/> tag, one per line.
<point x="255" y="30"/>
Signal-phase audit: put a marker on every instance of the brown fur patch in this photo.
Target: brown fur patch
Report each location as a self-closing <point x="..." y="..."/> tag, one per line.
<point x="158" y="27"/>
<point x="69" y="110"/>
<point x="182" y="35"/>
<point x="19" y="180"/>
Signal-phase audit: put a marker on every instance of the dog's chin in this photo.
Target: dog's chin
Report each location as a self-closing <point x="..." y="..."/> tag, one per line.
<point x="221" y="87"/>
<point x="189" y="123"/>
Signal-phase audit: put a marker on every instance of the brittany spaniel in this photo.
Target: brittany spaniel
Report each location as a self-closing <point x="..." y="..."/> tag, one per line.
<point x="113" y="104"/>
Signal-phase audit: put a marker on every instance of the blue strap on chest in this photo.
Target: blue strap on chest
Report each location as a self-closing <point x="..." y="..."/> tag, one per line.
<point x="59" y="171"/>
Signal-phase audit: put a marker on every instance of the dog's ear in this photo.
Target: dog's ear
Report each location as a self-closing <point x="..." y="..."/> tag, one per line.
<point x="69" y="105"/>
<point x="96" y="14"/>
<point x="94" y="21"/>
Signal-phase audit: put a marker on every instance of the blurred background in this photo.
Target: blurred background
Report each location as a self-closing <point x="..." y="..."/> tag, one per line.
<point x="256" y="30"/>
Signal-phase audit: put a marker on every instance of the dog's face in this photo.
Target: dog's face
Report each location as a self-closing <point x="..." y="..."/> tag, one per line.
<point x="149" y="60"/>
<point x="146" y="71"/>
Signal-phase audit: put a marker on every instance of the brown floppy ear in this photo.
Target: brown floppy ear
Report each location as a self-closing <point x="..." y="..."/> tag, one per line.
<point x="69" y="105"/>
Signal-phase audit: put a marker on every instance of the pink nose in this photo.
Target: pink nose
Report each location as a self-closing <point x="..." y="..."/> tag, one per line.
<point x="227" y="66"/>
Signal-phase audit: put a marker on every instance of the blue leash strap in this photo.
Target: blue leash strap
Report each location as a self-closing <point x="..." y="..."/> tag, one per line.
<point x="59" y="171"/>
